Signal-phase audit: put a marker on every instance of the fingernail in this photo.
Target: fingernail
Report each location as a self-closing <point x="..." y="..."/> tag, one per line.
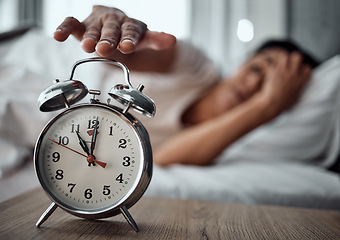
<point x="86" y="38"/>
<point x="106" y="42"/>
<point x="127" y="40"/>
<point x="104" y="45"/>
<point x="91" y="37"/>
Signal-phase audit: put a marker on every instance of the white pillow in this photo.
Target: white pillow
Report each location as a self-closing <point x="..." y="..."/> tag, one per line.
<point x="308" y="132"/>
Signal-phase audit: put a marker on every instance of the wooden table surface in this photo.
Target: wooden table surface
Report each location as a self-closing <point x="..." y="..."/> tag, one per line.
<point x="160" y="218"/>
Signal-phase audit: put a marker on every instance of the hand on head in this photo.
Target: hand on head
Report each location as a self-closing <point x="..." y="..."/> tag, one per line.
<point x="108" y="29"/>
<point x="275" y="74"/>
<point x="285" y="76"/>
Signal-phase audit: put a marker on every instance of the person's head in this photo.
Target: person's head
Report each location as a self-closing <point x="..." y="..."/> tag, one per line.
<point x="288" y="46"/>
<point x="250" y="76"/>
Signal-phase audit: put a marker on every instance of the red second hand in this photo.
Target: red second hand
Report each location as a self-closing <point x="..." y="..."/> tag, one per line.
<point x="91" y="158"/>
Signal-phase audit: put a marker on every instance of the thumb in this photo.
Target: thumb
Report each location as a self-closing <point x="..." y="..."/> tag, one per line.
<point x="156" y="41"/>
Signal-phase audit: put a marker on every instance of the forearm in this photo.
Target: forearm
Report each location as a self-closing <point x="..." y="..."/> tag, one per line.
<point x="202" y="143"/>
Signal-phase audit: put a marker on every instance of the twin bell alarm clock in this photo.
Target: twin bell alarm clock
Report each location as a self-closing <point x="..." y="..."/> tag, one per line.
<point x="94" y="160"/>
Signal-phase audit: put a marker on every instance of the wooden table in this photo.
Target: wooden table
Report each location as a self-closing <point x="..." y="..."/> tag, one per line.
<point x="160" y="218"/>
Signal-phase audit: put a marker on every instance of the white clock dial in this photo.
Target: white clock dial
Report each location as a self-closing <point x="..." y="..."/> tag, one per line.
<point x="79" y="179"/>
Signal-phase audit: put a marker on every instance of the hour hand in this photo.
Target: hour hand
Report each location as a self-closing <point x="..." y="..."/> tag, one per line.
<point x="83" y="144"/>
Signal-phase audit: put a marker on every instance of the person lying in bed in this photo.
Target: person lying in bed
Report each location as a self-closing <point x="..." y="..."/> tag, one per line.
<point x="199" y="114"/>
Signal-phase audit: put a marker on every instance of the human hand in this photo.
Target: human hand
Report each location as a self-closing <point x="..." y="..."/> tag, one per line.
<point x="108" y="29"/>
<point x="248" y="79"/>
<point x="284" y="79"/>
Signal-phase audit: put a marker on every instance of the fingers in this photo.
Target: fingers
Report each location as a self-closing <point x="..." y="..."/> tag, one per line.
<point x="132" y="36"/>
<point x="125" y="36"/>
<point x="281" y="61"/>
<point x="133" y="39"/>
<point x="301" y="67"/>
<point x="299" y="71"/>
<point x="107" y="30"/>
<point x="68" y="27"/>
<point x="296" y="62"/>
<point x="109" y="36"/>
<point x="91" y="36"/>
<point x="132" y="32"/>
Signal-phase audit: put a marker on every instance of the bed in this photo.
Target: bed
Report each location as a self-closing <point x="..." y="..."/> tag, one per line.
<point x="291" y="161"/>
<point x="300" y="177"/>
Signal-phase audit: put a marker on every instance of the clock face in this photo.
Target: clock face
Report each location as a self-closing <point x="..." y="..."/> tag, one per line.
<point x="89" y="158"/>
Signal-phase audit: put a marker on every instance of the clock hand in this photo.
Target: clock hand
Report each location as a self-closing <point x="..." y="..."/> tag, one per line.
<point x="89" y="158"/>
<point x="94" y="136"/>
<point x="83" y="144"/>
<point x="67" y="147"/>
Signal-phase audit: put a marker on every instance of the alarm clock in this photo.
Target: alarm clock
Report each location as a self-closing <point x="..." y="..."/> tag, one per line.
<point x="94" y="160"/>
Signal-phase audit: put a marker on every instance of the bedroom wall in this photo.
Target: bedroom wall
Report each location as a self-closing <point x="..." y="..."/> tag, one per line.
<point x="214" y="26"/>
<point x="315" y="25"/>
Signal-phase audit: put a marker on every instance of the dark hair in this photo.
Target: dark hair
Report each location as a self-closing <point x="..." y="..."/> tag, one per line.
<point x="289" y="46"/>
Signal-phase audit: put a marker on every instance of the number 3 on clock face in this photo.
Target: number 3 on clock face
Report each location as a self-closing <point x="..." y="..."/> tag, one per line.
<point x="91" y="158"/>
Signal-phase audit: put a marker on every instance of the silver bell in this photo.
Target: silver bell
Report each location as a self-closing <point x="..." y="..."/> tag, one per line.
<point x="131" y="97"/>
<point x="61" y="95"/>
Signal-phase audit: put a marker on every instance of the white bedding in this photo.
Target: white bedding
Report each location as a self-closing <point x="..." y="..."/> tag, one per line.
<point x="283" y="162"/>
<point x="296" y="175"/>
<point x="250" y="182"/>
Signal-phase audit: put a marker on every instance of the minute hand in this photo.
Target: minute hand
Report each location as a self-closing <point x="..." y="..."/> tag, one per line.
<point x="94" y="137"/>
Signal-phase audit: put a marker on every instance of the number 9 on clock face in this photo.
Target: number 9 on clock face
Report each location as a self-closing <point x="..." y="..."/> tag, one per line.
<point x="92" y="159"/>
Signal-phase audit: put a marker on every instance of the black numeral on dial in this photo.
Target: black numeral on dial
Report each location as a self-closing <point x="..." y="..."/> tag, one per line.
<point x="75" y="128"/>
<point x="88" y="193"/>
<point x="122" y="143"/>
<point x="59" y="174"/>
<point x="106" y="190"/>
<point x="72" y="185"/>
<point x="126" y="162"/>
<point x="120" y="178"/>
<point x="55" y="157"/>
<point x="64" y="140"/>
<point x="92" y="124"/>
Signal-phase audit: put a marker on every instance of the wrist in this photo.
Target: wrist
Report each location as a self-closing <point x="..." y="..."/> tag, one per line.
<point x="266" y="107"/>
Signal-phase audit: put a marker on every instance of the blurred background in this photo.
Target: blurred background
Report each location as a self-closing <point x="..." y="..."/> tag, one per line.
<point x="226" y="30"/>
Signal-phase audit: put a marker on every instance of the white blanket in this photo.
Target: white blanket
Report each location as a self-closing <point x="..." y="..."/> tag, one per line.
<point x="250" y="182"/>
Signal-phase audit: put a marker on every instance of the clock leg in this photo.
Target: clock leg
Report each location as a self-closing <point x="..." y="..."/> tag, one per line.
<point x="46" y="214"/>
<point x="129" y="218"/>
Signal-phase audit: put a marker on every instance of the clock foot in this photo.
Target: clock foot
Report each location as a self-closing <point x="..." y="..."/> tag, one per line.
<point x="46" y="214"/>
<point x="129" y="218"/>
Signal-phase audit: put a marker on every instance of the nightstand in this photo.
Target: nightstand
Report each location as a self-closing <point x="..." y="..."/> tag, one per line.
<point x="161" y="218"/>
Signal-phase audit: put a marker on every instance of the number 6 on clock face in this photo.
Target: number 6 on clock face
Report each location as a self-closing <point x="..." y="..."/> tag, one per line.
<point x="91" y="161"/>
